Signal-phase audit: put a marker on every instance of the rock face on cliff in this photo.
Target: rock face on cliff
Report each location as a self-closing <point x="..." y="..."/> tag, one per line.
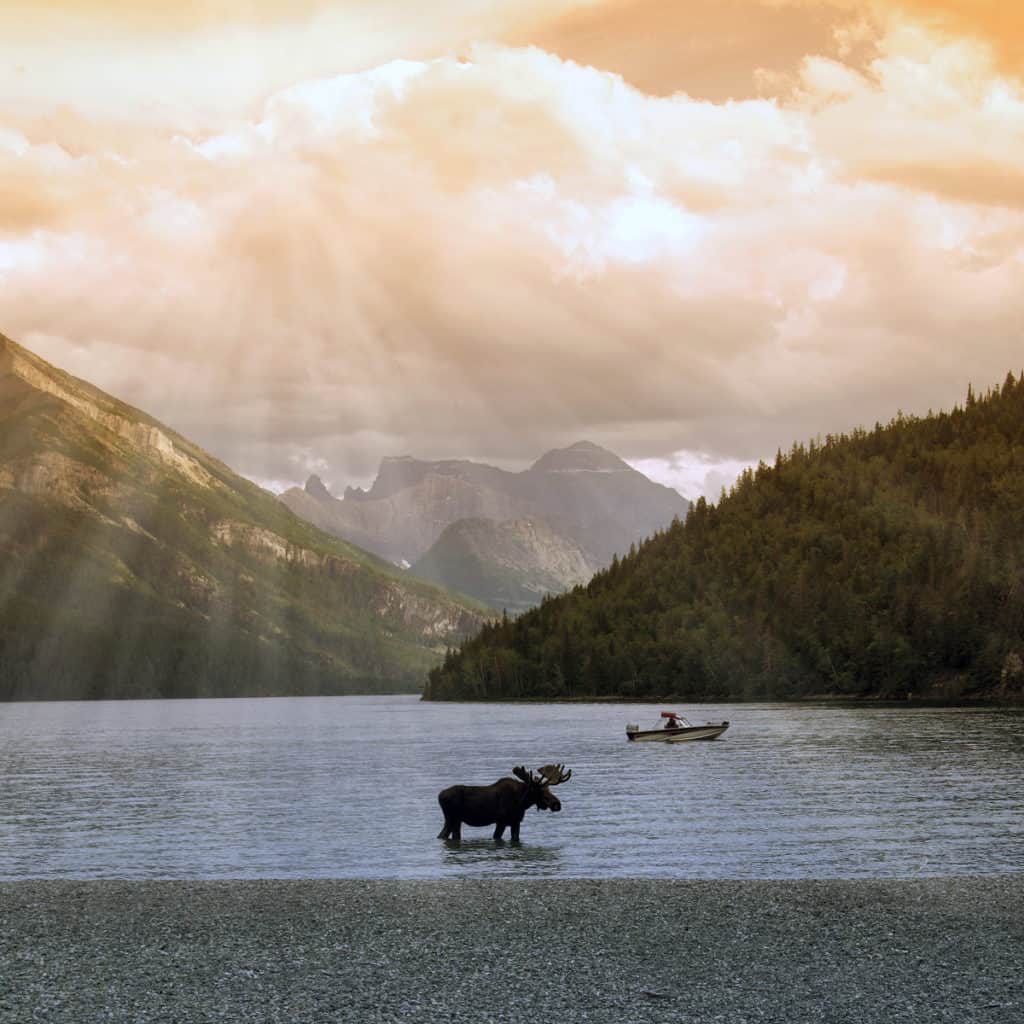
<point x="134" y="564"/>
<point x="594" y="503"/>
<point x="508" y="564"/>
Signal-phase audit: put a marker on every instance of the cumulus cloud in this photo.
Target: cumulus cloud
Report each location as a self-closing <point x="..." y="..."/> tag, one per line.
<point x="710" y="49"/>
<point x="495" y="252"/>
<point x="930" y="116"/>
<point x="996" y="23"/>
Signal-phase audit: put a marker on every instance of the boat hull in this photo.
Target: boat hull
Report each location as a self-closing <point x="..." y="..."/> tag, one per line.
<point x="710" y="731"/>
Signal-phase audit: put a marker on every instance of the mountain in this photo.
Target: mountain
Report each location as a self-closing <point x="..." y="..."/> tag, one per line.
<point x="134" y="564"/>
<point x="508" y="564"/>
<point x="593" y="500"/>
<point x="407" y="508"/>
<point x="883" y="564"/>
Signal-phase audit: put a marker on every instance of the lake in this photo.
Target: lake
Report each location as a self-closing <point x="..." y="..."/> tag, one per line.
<point x="347" y="787"/>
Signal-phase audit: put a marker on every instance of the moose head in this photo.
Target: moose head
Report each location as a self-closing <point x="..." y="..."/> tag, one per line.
<point x="539" y="785"/>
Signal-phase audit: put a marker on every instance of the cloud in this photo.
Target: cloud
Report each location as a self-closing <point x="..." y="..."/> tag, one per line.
<point x="708" y="49"/>
<point x="693" y="474"/>
<point x="998" y="24"/>
<point x="493" y="253"/>
<point x="160" y="16"/>
<point x="192" y="63"/>
<point x="925" y="114"/>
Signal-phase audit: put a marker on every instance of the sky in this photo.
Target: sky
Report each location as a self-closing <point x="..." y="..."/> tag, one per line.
<point x="308" y="234"/>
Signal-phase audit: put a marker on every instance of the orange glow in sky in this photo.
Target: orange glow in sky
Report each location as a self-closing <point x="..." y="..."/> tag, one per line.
<point x="309" y="234"/>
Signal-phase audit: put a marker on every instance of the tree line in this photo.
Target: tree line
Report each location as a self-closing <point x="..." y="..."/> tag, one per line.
<point x="883" y="563"/>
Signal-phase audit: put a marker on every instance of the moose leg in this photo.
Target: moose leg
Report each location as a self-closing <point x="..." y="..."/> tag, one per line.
<point x="452" y="829"/>
<point x="499" y="830"/>
<point x="515" y="831"/>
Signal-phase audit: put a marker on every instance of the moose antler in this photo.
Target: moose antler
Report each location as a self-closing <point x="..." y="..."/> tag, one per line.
<point x="549" y="775"/>
<point x="555" y="774"/>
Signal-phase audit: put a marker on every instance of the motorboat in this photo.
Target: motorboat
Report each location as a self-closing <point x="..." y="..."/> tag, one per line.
<point x="675" y="728"/>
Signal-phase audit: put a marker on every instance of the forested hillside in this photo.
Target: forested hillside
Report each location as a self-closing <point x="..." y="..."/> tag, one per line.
<point x="881" y="564"/>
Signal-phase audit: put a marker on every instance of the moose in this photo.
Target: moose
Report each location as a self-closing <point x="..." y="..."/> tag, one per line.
<point x="502" y="804"/>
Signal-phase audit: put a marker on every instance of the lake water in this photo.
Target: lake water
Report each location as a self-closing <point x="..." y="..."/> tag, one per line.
<point x="347" y="788"/>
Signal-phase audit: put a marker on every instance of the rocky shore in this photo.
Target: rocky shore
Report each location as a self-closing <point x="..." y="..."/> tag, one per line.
<point x="524" y="951"/>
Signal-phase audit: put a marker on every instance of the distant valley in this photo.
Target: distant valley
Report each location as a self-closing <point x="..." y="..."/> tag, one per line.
<point x="504" y="538"/>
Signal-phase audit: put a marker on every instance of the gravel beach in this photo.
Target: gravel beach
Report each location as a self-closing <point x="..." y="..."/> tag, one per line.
<point x="539" y="951"/>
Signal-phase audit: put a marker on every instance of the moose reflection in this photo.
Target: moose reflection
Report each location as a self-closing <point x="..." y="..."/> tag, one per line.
<point x="502" y="804"/>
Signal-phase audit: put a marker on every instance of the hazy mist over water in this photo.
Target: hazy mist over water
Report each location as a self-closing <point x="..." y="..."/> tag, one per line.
<point x="347" y="788"/>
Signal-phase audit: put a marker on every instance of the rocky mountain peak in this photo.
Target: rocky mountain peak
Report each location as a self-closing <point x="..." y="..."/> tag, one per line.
<point x="591" y="499"/>
<point x="315" y="489"/>
<point x="396" y="473"/>
<point x="581" y="457"/>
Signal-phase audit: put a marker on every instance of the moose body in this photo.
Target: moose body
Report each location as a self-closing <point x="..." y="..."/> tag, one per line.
<point x="502" y="804"/>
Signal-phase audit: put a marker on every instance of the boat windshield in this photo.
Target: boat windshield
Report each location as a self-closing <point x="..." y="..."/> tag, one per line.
<point x="675" y="722"/>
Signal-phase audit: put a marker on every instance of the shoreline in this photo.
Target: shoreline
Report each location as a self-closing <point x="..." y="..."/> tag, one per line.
<point x="920" y="950"/>
<point x="992" y="703"/>
<point x="1003" y="703"/>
